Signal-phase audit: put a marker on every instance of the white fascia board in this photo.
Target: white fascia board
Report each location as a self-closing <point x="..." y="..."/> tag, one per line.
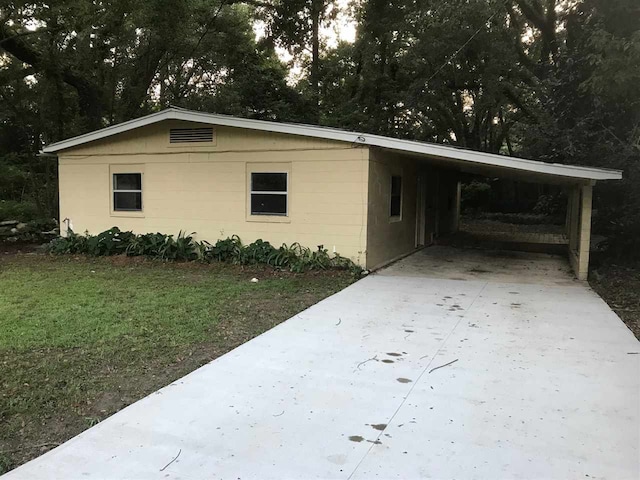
<point x="353" y="138"/>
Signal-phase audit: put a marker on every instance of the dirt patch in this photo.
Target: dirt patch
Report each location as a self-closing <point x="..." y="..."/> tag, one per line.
<point x="619" y="286"/>
<point x="7" y="248"/>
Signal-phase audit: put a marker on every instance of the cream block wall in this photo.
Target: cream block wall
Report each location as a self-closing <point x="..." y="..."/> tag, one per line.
<point x="389" y="238"/>
<point x="205" y="189"/>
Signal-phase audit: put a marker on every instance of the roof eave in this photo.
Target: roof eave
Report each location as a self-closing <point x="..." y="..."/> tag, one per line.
<point x="569" y="172"/>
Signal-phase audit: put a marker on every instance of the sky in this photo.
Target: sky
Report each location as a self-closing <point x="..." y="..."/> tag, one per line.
<point x="342" y="29"/>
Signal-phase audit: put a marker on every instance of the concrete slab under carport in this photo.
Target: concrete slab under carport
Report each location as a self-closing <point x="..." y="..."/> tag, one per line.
<point x="546" y="384"/>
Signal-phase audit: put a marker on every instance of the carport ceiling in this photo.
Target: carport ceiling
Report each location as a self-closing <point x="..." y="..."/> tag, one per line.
<point x="494" y="170"/>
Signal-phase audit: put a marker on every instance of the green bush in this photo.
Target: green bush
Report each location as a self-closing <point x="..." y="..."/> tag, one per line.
<point x="21" y="211"/>
<point x="475" y="195"/>
<point x="256" y="253"/>
<point x="147" y="245"/>
<point x="109" y="242"/>
<point x="72" y="243"/>
<point x="294" y="257"/>
<point x="183" y="247"/>
<point x="228" y="249"/>
<point x="551" y="204"/>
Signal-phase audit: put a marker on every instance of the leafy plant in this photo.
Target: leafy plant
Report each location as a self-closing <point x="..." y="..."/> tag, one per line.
<point x="148" y="244"/>
<point x="256" y="252"/>
<point x="180" y="248"/>
<point x="294" y="257"/>
<point x="227" y="249"/>
<point x="72" y="243"/>
<point x="14" y="210"/>
<point x="109" y="242"/>
<point x="203" y="251"/>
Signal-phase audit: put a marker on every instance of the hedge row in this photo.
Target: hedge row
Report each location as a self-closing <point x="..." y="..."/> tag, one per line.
<point x="184" y="247"/>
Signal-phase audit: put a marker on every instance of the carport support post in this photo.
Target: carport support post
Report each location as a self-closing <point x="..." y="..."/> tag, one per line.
<point x="579" y="229"/>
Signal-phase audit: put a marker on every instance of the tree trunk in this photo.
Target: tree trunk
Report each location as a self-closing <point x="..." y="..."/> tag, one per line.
<point x="316" y="10"/>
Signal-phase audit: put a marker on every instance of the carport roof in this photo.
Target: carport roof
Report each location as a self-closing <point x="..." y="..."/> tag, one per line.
<point x="444" y="153"/>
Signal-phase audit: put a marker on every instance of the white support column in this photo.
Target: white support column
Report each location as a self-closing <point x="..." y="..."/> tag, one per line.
<point x="456" y="207"/>
<point x="584" y="242"/>
<point x="579" y="229"/>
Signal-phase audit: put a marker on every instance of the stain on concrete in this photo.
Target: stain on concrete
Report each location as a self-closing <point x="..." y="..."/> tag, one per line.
<point x="356" y="438"/>
<point x="394" y="354"/>
<point x="409" y="331"/>
<point x="386" y="360"/>
<point x="479" y="270"/>
<point x="338" y="459"/>
<point x="379" y="426"/>
<point x="404" y="380"/>
<point x="375" y="442"/>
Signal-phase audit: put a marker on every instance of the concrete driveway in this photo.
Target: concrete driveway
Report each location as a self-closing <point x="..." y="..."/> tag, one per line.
<point x="449" y="364"/>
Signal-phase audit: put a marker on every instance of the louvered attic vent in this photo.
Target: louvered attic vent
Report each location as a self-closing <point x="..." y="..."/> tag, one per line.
<point x="191" y="135"/>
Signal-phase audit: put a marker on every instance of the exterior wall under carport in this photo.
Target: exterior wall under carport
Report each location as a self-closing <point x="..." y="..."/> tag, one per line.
<point x="437" y="213"/>
<point x="420" y="222"/>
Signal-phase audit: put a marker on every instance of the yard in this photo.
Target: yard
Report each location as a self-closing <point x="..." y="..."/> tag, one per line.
<point x="82" y="338"/>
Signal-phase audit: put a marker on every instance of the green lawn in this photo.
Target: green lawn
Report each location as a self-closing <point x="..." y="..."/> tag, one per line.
<point x="82" y="338"/>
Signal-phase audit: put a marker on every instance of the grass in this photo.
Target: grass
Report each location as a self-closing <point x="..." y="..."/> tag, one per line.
<point x="82" y="338"/>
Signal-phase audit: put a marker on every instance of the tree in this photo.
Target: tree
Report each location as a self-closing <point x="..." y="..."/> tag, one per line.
<point x="295" y="25"/>
<point x="439" y="71"/>
<point x="72" y="66"/>
<point x="592" y="109"/>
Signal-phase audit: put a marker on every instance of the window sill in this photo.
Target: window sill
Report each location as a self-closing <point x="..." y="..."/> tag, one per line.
<point x="123" y="214"/>
<point x="268" y="219"/>
<point x="395" y="219"/>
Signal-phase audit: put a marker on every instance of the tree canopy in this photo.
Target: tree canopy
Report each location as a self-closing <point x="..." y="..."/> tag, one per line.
<point x="555" y="80"/>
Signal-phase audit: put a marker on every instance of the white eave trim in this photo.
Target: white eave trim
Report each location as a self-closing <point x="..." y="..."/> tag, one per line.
<point x="353" y="138"/>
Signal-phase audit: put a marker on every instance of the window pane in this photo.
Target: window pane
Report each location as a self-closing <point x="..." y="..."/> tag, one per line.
<point x="268" y="204"/>
<point x="269" y="182"/>
<point x="396" y="202"/>
<point x="127" y="201"/>
<point x="396" y="185"/>
<point x="127" y="181"/>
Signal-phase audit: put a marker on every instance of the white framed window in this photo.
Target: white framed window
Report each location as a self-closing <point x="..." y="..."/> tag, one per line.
<point x="395" y="197"/>
<point x="270" y="193"/>
<point x="127" y="192"/>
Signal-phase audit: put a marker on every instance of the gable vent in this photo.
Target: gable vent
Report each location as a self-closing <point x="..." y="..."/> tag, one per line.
<point x="191" y="135"/>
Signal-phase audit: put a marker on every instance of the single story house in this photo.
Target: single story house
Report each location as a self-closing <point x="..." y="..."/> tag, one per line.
<point x="368" y="197"/>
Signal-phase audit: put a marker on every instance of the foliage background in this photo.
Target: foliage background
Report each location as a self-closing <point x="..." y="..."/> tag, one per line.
<point x="555" y="80"/>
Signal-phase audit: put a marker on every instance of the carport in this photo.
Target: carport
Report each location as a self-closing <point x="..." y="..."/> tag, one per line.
<point x="437" y="194"/>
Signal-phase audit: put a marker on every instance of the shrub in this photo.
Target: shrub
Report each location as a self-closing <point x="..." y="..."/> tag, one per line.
<point x="228" y="249"/>
<point x="145" y="245"/>
<point x="294" y="257"/>
<point x="551" y="204"/>
<point x="72" y="243"/>
<point x="256" y="252"/>
<point x="183" y="247"/>
<point x="22" y="211"/>
<point x="476" y="195"/>
<point x="109" y="242"/>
